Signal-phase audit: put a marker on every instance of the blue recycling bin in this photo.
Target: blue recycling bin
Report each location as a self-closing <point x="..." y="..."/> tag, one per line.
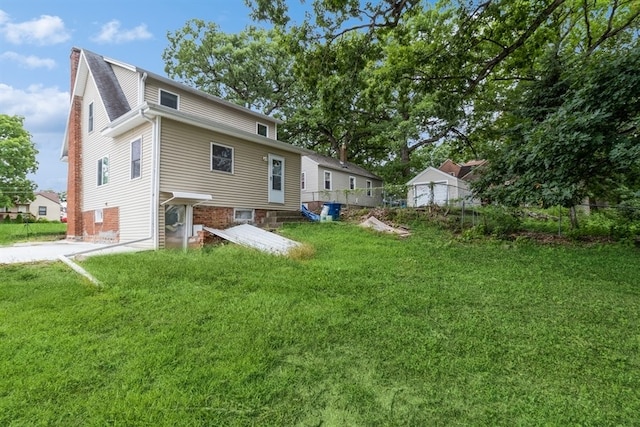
<point x="334" y="210"/>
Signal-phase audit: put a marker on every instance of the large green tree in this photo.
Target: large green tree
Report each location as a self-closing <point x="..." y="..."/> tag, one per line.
<point x="17" y="160"/>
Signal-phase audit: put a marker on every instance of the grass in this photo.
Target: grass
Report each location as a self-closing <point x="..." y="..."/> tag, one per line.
<point x="364" y="330"/>
<point x="12" y="233"/>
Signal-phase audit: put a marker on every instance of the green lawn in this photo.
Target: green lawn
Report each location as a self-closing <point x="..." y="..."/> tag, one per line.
<point x="371" y="331"/>
<point x="11" y="233"/>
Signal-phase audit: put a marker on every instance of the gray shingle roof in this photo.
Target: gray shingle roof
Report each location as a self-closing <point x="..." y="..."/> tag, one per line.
<point x="110" y="91"/>
<point x="330" y="162"/>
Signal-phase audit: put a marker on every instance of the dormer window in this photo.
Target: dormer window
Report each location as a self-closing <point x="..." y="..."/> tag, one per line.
<point x="168" y="99"/>
<point x="262" y="129"/>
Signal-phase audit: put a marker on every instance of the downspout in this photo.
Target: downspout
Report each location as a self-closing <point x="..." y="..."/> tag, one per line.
<point x="155" y="154"/>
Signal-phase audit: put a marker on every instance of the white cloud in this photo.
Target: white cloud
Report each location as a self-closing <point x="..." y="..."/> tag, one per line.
<point x="112" y="33"/>
<point x="30" y="61"/>
<point x="45" y="109"/>
<point x="45" y="30"/>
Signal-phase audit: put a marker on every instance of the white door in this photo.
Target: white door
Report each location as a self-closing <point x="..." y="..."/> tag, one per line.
<point x="432" y="193"/>
<point x="276" y="179"/>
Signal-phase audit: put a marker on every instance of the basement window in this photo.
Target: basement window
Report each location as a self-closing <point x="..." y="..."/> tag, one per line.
<point x="243" y="215"/>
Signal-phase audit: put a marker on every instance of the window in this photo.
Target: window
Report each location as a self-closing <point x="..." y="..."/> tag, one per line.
<point x="369" y="188"/>
<point x="168" y="99"/>
<point x="327" y="180"/>
<point x="221" y="158"/>
<point x="136" y="158"/>
<point x="352" y="183"/>
<point x="262" y="129"/>
<point x="42" y="210"/>
<point x="303" y="181"/>
<point x="103" y="171"/>
<point x="243" y="215"/>
<point x="90" y="124"/>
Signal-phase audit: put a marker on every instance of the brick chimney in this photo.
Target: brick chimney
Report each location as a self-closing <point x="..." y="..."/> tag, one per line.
<point x="343" y="153"/>
<point x="74" y="158"/>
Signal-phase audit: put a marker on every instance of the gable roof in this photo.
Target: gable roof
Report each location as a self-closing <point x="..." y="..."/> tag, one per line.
<point x="347" y="167"/>
<point x="446" y="176"/>
<point x="122" y="117"/>
<point x="111" y="93"/>
<point x="49" y="195"/>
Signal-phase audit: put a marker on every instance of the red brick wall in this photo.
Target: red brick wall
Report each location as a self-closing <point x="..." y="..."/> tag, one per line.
<point x="212" y="216"/>
<point x="74" y="155"/>
<point x="110" y="223"/>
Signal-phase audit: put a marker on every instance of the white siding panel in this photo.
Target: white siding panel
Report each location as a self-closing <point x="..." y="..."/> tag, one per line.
<point x="129" y="82"/>
<point x="132" y="197"/>
<point x="192" y="104"/>
<point x="185" y="166"/>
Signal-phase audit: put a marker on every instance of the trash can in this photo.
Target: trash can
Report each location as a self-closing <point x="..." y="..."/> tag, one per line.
<point x="334" y="210"/>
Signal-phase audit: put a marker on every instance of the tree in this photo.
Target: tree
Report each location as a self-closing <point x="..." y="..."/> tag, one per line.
<point x="575" y="133"/>
<point x="17" y="160"/>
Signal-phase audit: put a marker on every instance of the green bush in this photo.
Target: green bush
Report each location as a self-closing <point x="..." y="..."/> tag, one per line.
<point x="500" y="221"/>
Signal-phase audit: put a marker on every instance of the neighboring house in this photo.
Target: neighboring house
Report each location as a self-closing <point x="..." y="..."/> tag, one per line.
<point x="445" y="185"/>
<point x="325" y="179"/>
<point x="149" y="158"/>
<point x="46" y="205"/>
<point x="14" y="211"/>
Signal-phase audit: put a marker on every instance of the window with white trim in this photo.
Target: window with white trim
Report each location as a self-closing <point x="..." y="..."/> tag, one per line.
<point x="168" y="99"/>
<point x="243" y="215"/>
<point x="90" y="119"/>
<point x="262" y="129"/>
<point x="221" y="158"/>
<point x="136" y="158"/>
<point x="103" y="171"/>
<point x="369" y="188"/>
<point x="303" y="181"/>
<point x="327" y="180"/>
<point x="352" y="183"/>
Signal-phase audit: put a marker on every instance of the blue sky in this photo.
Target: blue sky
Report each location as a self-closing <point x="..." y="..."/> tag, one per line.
<point x="36" y="37"/>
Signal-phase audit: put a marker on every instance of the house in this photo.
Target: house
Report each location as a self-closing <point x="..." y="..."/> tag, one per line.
<point x="12" y="212"/>
<point x="326" y="179"/>
<point x="46" y="205"/>
<point x="446" y="185"/>
<point x="151" y="160"/>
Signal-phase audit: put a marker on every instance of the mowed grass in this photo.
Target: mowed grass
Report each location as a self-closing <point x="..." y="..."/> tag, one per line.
<point x="11" y="233"/>
<point x="372" y="330"/>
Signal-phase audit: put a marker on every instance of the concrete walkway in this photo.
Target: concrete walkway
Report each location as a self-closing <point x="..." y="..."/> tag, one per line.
<point x="50" y="251"/>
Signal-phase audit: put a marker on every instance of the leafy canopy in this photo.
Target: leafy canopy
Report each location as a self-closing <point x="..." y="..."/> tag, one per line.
<point x="17" y="160"/>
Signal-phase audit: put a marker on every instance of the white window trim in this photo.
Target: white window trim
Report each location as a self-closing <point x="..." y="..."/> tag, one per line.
<point x="91" y="112"/>
<point x="233" y="155"/>
<point x="354" y="182"/>
<point x="170" y="93"/>
<point x="98" y="216"/>
<point x="243" y="220"/>
<point x="132" y="178"/>
<point x="369" y="188"/>
<point x="258" y="124"/>
<point x="324" y="181"/>
<point x="101" y="171"/>
<point x="303" y="181"/>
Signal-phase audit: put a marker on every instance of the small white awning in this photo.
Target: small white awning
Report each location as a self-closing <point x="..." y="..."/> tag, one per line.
<point x="185" y="198"/>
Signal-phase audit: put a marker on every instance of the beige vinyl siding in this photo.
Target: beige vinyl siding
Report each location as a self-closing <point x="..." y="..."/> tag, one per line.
<point x="339" y="186"/>
<point x="185" y="165"/>
<point x="313" y="180"/>
<point x="129" y="82"/>
<point x="53" y="208"/>
<point x="192" y="104"/>
<point x="132" y="197"/>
